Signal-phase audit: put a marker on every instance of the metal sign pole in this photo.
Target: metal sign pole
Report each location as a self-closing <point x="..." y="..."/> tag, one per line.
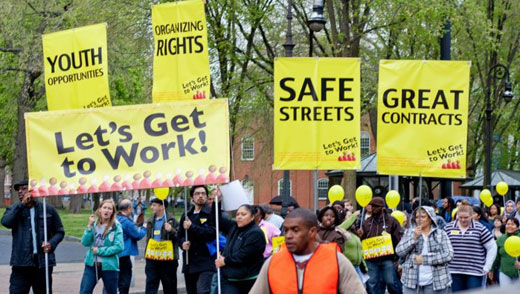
<point x="45" y="241"/>
<point x="185" y="218"/>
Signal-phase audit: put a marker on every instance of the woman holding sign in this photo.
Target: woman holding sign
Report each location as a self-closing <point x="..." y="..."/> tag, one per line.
<point x="427" y="252"/>
<point x="104" y="237"/>
<point x="243" y="256"/>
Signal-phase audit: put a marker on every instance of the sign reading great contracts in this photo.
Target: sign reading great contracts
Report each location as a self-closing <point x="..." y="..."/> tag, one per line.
<point x="317" y="113"/>
<point x="76" y="68"/>
<point x="422" y="118"/>
<point x="128" y="147"/>
<point x="181" y="62"/>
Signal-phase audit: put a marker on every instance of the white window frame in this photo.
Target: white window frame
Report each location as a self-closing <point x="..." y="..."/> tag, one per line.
<point x="324" y="183"/>
<point x="364" y="138"/>
<point x="280" y="187"/>
<point x="247" y="148"/>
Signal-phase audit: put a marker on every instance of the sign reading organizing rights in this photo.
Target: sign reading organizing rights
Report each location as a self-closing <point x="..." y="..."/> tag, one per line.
<point x="181" y="62"/>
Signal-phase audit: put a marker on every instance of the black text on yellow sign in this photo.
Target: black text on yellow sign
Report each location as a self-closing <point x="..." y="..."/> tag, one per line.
<point x="76" y="68"/>
<point x="422" y="117"/>
<point x="181" y="61"/>
<point x="155" y="145"/>
<point x="318" y="98"/>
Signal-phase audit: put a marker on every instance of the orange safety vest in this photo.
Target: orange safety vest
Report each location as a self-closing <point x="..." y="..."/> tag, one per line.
<point x="321" y="274"/>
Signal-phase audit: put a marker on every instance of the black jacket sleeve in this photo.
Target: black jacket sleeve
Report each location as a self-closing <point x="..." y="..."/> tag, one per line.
<point x="57" y="229"/>
<point x="254" y="242"/>
<point x="12" y="215"/>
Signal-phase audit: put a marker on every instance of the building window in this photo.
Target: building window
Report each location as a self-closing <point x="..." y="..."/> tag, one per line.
<point x="248" y="148"/>
<point x="365" y="144"/>
<point x="323" y="188"/>
<point x="280" y="187"/>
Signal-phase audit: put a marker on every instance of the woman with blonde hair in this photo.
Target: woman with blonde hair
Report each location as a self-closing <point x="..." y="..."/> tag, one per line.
<point x="104" y="237"/>
<point x="471" y="241"/>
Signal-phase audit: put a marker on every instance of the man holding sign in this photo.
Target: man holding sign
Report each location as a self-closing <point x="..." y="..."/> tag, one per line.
<point x="161" y="253"/>
<point x="25" y="219"/>
<point x="380" y="234"/>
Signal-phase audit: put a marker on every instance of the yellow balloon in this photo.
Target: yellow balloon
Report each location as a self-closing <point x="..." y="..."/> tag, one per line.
<point x="488" y="201"/>
<point x="454" y="213"/>
<point x="161" y="193"/>
<point x="399" y="216"/>
<point x="363" y="195"/>
<point x="336" y="193"/>
<point x="512" y="246"/>
<point x="485" y="195"/>
<point x="392" y="198"/>
<point x="502" y="188"/>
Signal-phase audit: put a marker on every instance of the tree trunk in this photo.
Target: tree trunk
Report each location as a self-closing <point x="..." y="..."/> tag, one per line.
<point x="26" y="101"/>
<point x="76" y="202"/>
<point x="2" y="182"/>
<point x="55" y="201"/>
<point x="349" y="183"/>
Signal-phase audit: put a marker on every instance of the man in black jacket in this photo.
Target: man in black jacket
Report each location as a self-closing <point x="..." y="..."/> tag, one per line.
<point x="200" y="268"/>
<point x="25" y="219"/>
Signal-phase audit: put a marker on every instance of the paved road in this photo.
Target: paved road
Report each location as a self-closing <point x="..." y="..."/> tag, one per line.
<point x="67" y="275"/>
<point x="67" y="251"/>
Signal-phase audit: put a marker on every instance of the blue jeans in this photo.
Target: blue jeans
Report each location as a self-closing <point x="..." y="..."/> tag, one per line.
<point x="383" y="274"/>
<point x="465" y="282"/>
<point x="89" y="281"/>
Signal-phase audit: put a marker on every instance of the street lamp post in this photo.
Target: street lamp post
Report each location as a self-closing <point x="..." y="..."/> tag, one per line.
<point x="501" y="72"/>
<point x="316" y="22"/>
<point x="288" y="48"/>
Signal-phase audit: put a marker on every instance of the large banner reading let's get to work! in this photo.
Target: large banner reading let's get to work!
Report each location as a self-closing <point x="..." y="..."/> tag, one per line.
<point x="422" y="124"/>
<point x="317" y="113"/>
<point x="128" y="147"/>
<point x="76" y="68"/>
<point x="181" y="62"/>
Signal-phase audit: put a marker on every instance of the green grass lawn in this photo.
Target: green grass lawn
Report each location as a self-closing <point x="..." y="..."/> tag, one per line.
<point x="75" y="224"/>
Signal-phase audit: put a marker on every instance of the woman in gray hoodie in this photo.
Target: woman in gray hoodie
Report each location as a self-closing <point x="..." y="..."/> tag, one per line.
<point x="426" y="251"/>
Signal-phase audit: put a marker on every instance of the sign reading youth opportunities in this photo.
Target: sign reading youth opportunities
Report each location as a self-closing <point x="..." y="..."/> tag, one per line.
<point x="422" y="118"/>
<point x="181" y="62"/>
<point x="128" y="147"/>
<point x="76" y="68"/>
<point x="317" y="113"/>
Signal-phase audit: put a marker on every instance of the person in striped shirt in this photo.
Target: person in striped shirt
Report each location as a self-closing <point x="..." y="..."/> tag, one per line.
<point x="474" y="250"/>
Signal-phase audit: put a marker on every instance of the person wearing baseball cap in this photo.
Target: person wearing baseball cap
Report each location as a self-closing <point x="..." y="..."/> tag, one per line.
<point x="29" y="249"/>
<point x="381" y="269"/>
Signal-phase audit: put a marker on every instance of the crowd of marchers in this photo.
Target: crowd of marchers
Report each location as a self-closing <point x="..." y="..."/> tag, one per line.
<point x="429" y="252"/>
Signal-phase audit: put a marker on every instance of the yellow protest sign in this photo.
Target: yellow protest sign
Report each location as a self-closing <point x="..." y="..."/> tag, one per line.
<point x="278" y="243"/>
<point x="316" y="113"/>
<point x="377" y="246"/>
<point x="422" y="118"/>
<point x="76" y="68"/>
<point x="181" y="62"/>
<point x="128" y="147"/>
<point x="159" y="250"/>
